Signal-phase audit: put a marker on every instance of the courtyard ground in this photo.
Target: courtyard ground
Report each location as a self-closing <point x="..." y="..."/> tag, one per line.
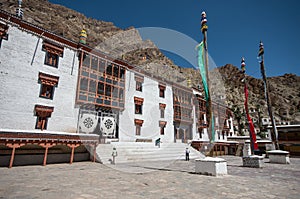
<point x="169" y="179"/>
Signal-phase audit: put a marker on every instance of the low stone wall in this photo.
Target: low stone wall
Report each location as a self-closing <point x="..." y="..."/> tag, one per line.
<point x="279" y="156"/>
<point x="211" y="166"/>
<point x="253" y="161"/>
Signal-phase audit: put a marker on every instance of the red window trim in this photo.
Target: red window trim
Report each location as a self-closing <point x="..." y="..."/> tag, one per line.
<point x="48" y="79"/>
<point x="138" y="122"/>
<point x="138" y="78"/>
<point x="43" y="111"/>
<point x="52" y="48"/>
<point x="162" y="124"/>
<point x="138" y="101"/>
<point x="162" y="106"/>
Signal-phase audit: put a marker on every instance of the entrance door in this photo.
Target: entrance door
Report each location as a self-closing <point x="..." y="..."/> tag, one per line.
<point x="182" y="135"/>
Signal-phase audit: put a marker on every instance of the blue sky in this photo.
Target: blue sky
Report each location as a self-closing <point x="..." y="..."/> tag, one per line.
<point x="235" y="27"/>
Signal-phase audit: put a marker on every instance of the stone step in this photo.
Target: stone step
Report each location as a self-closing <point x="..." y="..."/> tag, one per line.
<point x="134" y="152"/>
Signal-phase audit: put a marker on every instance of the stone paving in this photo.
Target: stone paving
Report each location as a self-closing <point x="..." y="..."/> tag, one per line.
<point x="169" y="179"/>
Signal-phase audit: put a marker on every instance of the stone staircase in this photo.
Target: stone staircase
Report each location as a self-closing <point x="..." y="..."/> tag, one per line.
<point x="139" y="152"/>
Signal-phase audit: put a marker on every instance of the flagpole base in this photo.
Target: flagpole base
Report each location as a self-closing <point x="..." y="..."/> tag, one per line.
<point x="253" y="161"/>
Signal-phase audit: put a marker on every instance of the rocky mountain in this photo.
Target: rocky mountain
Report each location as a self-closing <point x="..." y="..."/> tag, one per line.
<point x="226" y="81"/>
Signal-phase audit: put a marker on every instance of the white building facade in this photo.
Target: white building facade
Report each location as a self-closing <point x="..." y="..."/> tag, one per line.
<point x="32" y="88"/>
<point x="51" y="83"/>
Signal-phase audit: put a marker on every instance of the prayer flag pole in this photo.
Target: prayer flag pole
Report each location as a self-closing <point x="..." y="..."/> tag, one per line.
<point x="209" y="114"/>
<point x="263" y="73"/>
<point x="254" y="146"/>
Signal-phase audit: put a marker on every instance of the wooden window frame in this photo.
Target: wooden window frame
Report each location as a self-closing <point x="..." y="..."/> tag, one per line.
<point x="53" y="52"/>
<point x="138" y="126"/>
<point x="137" y="130"/>
<point x="139" y="82"/>
<point x="162" y="113"/>
<point x="138" y="109"/>
<point x="162" y="130"/>
<point x="162" y="89"/>
<point x="42" y="113"/>
<point x="138" y="105"/>
<point x="51" y="59"/>
<point x="41" y="123"/>
<point x="162" y="125"/>
<point x="48" y="84"/>
<point x="46" y="91"/>
<point x="109" y="89"/>
<point x="3" y="32"/>
<point x="162" y="108"/>
<point x="139" y="86"/>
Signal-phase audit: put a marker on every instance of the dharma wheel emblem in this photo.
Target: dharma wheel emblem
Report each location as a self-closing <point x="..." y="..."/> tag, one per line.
<point x="108" y="124"/>
<point x="88" y="122"/>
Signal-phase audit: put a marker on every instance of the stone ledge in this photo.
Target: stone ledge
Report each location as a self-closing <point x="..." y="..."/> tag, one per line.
<point x="211" y="166"/>
<point x="279" y="156"/>
<point x="253" y="161"/>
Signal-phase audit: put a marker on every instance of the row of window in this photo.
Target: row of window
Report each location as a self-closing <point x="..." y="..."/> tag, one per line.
<point x="139" y="124"/>
<point x="182" y="96"/>
<point x="138" y="109"/>
<point x="48" y="83"/>
<point x="101" y="82"/>
<point x="139" y="86"/>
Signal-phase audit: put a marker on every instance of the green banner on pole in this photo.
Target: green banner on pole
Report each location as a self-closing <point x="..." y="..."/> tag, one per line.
<point x="203" y="72"/>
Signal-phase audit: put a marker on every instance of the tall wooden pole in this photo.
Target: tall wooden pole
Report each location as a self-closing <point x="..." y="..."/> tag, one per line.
<point x="254" y="146"/>
<point x="263" y="73"/>
<point x="204" y="28"/>
<point x="246" y="105"/>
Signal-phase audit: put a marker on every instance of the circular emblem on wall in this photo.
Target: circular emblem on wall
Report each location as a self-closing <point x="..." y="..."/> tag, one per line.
<point x="88" y="122"/>
<point x="108" y="123"/>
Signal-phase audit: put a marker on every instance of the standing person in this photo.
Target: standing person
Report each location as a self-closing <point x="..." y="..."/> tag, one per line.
<point x="187" y="154"/>
<point x="114" y="155"/>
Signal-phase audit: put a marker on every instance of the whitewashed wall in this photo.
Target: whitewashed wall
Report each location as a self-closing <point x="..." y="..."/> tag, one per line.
<point x="19" y="90"/>
<point x="150" y="114"/>
<point x="195" y="134"/>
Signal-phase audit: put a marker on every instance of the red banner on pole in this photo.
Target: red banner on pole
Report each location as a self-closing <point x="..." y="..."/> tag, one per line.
<point x="254" y="145"/>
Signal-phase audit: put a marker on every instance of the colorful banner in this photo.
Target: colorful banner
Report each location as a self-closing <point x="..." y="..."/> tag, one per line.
<point x="254" y="145"/>
<point x="203" y="72"/>
<point x="200" y="49"/>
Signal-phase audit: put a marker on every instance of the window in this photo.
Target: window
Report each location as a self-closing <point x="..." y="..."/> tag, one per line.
<point x="139" y="82"/>
<point x="162" y="125"/>
<point x="41" y="123"/>
<point x="138" y="126"/>
<point x="53" y="52"/>
<point x="48" y="83"/>
<point x="138" y="130"/>
<point x="100" y="88"/>
<point x="121" y="94"/>
<point x="138" y="105"/>
<point x="200" y="131"/>
<point x="138" y="109"/>
<point x="100" y="82"/>
<point x="46" y="91"/>
<point x="139" y="86"/>
<point x="42" y="113"/>
<point x="94" y="64"/>
<point x="3" y="33"/>
<point x="162" y="113"/>
<point x="162" y="108"/>
<point x="162" y="130"/>
<point x="116" y="71"/>
<point x="162" y="89"/>
<point x="109" y="69"/>
<point x="108" y="90"/>
<point x="51" y="59"/>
